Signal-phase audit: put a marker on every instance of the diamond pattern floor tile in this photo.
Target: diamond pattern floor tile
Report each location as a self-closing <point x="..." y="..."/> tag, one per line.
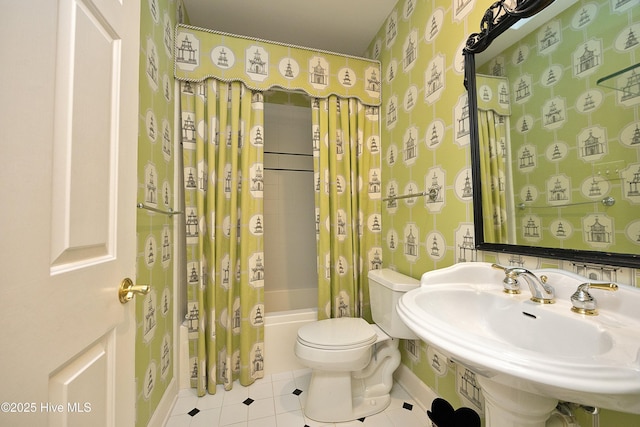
<point x="277" y="401"/>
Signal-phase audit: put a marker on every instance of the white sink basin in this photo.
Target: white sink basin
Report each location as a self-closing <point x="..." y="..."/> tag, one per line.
<point x="491" y="315"/>
<point x="546" y="350"/>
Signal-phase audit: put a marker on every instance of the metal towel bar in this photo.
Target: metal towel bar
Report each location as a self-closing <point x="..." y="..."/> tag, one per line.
<point x="405" y="196"/>
<point x="607" y="201"/>
<point x="170" y="212"/>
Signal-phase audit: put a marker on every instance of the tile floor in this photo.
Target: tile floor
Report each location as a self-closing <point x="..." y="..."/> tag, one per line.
<point x="277" y="401"/>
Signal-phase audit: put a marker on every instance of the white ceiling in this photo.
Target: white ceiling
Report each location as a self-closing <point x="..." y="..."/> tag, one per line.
<point x="342" y="26"/>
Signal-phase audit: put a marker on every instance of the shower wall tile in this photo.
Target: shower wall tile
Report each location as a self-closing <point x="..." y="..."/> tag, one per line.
<point x="290" y="242"/>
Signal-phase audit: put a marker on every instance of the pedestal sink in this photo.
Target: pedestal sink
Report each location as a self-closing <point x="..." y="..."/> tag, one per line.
<point x="528" y="356"/>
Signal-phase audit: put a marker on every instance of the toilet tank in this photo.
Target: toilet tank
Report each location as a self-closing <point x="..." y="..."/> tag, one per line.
<point x="385" y="289"/>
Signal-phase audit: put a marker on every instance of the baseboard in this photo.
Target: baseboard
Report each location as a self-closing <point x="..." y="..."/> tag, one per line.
<point x="184" y="380"/>
<point x="422" y="394"/>
<point x="163" y="410"/>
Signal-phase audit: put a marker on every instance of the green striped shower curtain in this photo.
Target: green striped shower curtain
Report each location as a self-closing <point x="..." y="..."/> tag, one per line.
<point x="222" y="138"/>
<point x="346" y="147"/>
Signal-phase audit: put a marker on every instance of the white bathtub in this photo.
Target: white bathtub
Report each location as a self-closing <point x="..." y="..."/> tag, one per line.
<point x="280" y="333"/>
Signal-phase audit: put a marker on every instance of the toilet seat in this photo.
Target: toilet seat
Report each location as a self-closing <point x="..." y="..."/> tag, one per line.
<point x="338" y="334"/>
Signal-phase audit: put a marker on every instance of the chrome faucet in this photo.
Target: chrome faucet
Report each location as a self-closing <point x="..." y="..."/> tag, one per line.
<point x="540" y="291"/>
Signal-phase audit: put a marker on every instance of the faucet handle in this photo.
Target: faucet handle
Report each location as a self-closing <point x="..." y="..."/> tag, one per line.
<point x="511" y="285"/>
<point x="583" y="302"/>
<point x="498" y="267"/>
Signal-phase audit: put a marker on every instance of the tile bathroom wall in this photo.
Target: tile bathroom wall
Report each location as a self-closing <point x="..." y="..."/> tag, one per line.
<point x="425" y="147"/>
<point x="289" y="234"/>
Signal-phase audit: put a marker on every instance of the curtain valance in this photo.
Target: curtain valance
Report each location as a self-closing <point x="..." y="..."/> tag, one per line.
<point x="493" y="94"/>
<point x="262" y="65"/>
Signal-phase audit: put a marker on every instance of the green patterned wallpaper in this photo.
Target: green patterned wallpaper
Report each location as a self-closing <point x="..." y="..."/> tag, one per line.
<point x="424" y="135"/>
<point x="155" y="334"/>
<point x="425" y="148"/>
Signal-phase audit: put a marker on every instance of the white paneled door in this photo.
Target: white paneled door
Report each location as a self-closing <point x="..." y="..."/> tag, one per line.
<point x="68" y="146"/>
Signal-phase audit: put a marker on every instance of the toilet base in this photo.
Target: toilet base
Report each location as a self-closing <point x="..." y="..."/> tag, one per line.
<point x="333" y="390"/>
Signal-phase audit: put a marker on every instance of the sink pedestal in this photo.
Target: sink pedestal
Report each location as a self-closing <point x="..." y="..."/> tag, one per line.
<point x="510" y="407"/>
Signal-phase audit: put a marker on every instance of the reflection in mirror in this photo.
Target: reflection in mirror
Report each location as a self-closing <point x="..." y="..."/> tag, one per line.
<point x="554" y="101"/>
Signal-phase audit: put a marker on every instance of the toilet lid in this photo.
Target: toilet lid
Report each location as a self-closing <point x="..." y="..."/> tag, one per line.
<point x="340" y="333"/>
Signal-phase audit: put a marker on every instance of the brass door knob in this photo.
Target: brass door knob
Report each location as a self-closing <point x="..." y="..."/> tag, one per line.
<point x="128" y="290"/>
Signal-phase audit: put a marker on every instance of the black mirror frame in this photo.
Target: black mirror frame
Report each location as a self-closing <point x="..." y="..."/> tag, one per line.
<point x="496" y="20"/>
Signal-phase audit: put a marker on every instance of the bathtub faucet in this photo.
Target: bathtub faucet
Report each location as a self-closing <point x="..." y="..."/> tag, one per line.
<point x="540" y="291"/>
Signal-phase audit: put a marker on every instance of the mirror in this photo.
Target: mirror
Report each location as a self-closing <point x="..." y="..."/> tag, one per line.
<point x="554" y="110"/>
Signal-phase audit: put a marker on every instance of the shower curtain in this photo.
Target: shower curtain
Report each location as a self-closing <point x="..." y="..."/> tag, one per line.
<point x="222" y="131"/>
<point x="347" y="192"/>
<point x="494" y="140"/>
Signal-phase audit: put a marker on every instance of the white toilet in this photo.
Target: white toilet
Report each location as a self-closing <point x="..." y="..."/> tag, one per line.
<point x="353" y="361"/>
